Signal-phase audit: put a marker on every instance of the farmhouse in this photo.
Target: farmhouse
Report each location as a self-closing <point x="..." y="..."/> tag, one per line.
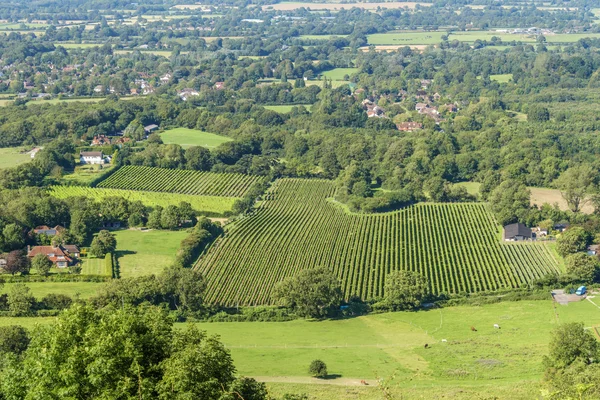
<point x="516" y="232"/>
<point x="187" y="93"/>
<point x="60" y="256"/>
<point x="593" y="250"/>
<point x="100" y="140"/>
<point x="91" y="157"/>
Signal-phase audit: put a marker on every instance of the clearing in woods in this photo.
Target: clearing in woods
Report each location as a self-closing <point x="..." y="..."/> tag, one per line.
<point x="193" y="137"/>
<point x="297" y="226"/>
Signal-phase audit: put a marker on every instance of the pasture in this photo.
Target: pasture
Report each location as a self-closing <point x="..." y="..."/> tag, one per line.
<point x="291" y="5"/>
<point x="85" y="174"/>
<point x="211" y="205"/>
<point x="298" y="226"/>
<point x="193" y="137"/>
<point x="337" y="74"/>
<point x="506" y="360"/>
<point x="13" y="156"/>
<point x="146" y="252"/>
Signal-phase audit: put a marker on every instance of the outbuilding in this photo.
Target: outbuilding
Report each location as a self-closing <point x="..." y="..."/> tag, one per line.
<point x="517" y="232"/>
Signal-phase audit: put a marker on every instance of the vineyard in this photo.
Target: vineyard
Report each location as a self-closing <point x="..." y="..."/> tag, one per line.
<point x="209" y="205"/>
<point x="456" y="246"/>
<point x="179" y="181"/>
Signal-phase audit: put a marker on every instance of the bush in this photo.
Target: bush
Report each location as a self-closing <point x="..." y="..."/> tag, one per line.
<point x="318" y="369"/>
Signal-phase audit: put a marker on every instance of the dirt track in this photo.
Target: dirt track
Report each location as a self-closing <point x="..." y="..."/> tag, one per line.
<point x="315" y="381"/>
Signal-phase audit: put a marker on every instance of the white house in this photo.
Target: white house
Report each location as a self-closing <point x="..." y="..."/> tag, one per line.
<point x="92" y="157"/>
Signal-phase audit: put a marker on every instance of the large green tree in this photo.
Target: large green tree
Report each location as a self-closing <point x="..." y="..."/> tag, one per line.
<point x="576" y="185"/>
<point x="405" y="290"/>
<point x="315" y="293"/>
<point x="510" y="202"/>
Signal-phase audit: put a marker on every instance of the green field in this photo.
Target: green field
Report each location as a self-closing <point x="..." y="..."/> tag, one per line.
<point x="13" y="156"/>
<point x="94" y="266"/>
<point x="505" y="363"/>
<point x="405" y="38"/>
<point x="179" y="181"/>
<point x="321" y="37"/>
<point x="337" y="74"/>
<point x="72" y="289"/>
<point x="193" y="137"/>
<point x="146" y="252"/>
<point x="296" y="227"/>
<point x="502" y="78"/>
<point x="84" y="174"/>
<point x="287" y="108"/>
<point x="163" y="53"/>
<point x="208" y="204"/>
<point x="78" y="45"/>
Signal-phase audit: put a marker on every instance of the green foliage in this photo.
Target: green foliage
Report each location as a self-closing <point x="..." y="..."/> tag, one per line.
<point x="103" y="244"/>
<point x="20" y="300"/>
<point x="314" y="293"/>
<point x="13" y="339"/>
<point x="582" y="266"/>
<point x="405" y="290"/>
<point x="576" y="184"/>
<point x="510" y="202"/>
<point x="538" y="113"/>
<point x="41" y="264"/>
<point x="318" y="369"/>
<point x="120" y="353"/>
<point x="572" y="241"/>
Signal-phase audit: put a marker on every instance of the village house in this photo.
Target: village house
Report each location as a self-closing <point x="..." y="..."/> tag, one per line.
<point x="219" y="85"/>
<point x="147" y="90"/>
<point x="46" y="230"/>
<point x="409" y="126"/>
<point x="450" y="108"/>
<point x="100" y="140"/>
<point x="593" y="250"/>
<point x="61" y="256"/>
<point x="99" y="89"/>
<point x="187" y="93"/>
<point x="421" y="106"/>
<point x="91" y="157"/>
<point x="165" y="78"/>
<point x="516" y="232"/>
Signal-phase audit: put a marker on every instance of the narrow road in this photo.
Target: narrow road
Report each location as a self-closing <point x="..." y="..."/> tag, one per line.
<point x="315" y="381"/>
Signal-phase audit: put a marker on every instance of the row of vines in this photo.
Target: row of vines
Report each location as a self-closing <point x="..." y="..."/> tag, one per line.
<point x="456" y="246"/>
<point x="179" y="181"/>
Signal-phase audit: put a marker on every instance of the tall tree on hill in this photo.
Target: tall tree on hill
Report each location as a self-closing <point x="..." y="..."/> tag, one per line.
<point x="576" y="185"/>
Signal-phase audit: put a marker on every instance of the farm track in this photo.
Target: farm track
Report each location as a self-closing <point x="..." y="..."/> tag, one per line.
<point x="455" y="245"/>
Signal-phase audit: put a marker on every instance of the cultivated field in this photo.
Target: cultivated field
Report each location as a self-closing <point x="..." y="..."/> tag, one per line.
<point x="287" y="6"/>
<point x="193" y="137"/>
<point x="146" y="252"/>
<point x="179" y="181"/>
<point x="457" y="246"/>
<point x="13" y="156"/>
<point x="208" y="204"/>
<point x="540" y="196"/>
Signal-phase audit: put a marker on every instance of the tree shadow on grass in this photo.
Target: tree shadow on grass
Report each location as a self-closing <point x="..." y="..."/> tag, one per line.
<point x="331" y="377"/>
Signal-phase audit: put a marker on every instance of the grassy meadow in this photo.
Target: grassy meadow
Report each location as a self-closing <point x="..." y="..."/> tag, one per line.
<point x="379" y="346"/>
<point x="337" y="74"/>
<point x="146" y="252"/>
<point x="501" y="78"/>
<point x="13" y="156"/>
<point x="193" y="137"/>
<point x="287" y="108"/>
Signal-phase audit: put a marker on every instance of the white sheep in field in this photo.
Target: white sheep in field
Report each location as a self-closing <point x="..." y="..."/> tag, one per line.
<point x="496" y="326"/>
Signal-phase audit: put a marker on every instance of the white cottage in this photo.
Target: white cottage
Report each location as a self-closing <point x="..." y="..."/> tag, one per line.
<point x="91" y="157"/>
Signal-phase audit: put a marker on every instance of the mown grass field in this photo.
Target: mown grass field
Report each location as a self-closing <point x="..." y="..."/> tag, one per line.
<point x="83" y="290"/>
<point x="287" y="108"/>
<point x="208" y="204"/>
<point x="193" y="137"/>
<point x="506" y="362"/>
<point x="338" y="74"/>
<point x="298" y="226"/>
<point x="13" y="156"/>
<point x="502" y="78"/>
<point x="146" y="252"/>
<point x="405" y="38"/>
<point x="94" y="266"/>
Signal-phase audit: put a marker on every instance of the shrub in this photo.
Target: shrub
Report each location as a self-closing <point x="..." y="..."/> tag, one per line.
<point x="318" y="369"/>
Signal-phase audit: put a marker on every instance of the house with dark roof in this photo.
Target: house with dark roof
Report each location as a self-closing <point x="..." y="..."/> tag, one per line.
<point x="150" y="128"/>
<point x="517" y="232"/>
